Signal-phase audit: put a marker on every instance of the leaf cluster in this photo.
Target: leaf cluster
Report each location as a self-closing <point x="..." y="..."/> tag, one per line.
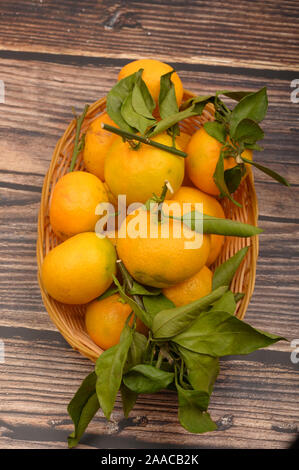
<point x="237" y="130"/>
<point x="181" y="352"/>
<point x="131" y="107"/>
<point x="184" y="344"/>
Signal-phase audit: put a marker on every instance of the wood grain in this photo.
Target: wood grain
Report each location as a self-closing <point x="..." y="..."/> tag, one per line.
<point x="248" y="410"/>
<point x="55" y="55"/>
<point x="260" y="34"/>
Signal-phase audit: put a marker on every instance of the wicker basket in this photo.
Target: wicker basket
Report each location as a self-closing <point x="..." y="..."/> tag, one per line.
<point x="69" y="319"/>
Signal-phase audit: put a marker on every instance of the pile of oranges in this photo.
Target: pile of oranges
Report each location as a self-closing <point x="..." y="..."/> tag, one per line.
<point x="81" y="268"/>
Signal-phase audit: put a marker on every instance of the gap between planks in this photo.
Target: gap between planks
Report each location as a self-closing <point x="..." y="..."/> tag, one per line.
<point x="129" y="56"/>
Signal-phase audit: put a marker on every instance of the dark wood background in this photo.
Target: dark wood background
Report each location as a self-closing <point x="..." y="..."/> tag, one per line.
<point x="57" y="54"/>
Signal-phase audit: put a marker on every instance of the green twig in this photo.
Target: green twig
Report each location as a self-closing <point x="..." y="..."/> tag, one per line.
<point x="159" y="360"/>
<point x="153" y="352"/>
<point x="129" y="136"/>
<point x="159" y="199"/>
<point x="164" y="192"/>
<point x="128" y="280"/>
<point x="79" y="143"/>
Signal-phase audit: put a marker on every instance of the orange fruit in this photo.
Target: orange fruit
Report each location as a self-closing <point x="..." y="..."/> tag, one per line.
<point x="97" y="142"/>
<point x="191" y="289"/>
<point x="152" y="71"/>
<point x="162" y="254"/>
<point x="186" y="180"/>
<point x="203" y="155"/>
<point x="210" y="207"/>
<point x="112" y="237"/>
<point x="183" y="141"/>
<point x="140" y="173"/>
<point x="74" y="201"/>
<point x="79" y="269"/>
<point x="111" y="198"/>
<point x="105" y="320"/>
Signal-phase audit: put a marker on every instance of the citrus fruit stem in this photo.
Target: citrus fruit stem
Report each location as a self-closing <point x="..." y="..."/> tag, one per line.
<point x="159" y="360"/>
<point x="129" y="136"/>
<point x="129" y="282"/>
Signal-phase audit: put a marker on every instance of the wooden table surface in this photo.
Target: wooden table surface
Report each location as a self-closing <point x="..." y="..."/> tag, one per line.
<point x="57" y="54"/>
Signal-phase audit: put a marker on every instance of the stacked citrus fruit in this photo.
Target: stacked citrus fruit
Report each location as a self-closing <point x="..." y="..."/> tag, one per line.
<point x="82" y="267"/>
<point x="140" y="232"/>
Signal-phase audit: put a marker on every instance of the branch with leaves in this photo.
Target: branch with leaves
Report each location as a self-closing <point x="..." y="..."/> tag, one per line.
<point x="181" y="352"/>
<point x="131" y="107"/>
<point x="184" y="344"/>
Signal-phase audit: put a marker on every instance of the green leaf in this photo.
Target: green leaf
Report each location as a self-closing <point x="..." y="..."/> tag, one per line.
<point x="110" y="291"/>
<point x="116" y="97"/>
<point x="167" y="99"/>
<point x="195" y="109"/>
<point x="157" y="303"/>
<point x="268" y="172"/>
<point x="248" y="131"/>
<point x="145" y="378"/>
<point x="83" y="407"/>
<point x="191" y="411"/>
<point x="228" y="227"/>
<point x="233" y="176"/>
<point x="142" y="101"/>
<point x="141" y="314"/>
<point x="226" y="303"/>
<point x="199" y="398"/>
<point x="202" y="369"/>
<point x="224" y="273"/>
<point x="196" y="100"/>
<point x="170" y="322"/>
<point x="168" y="122"/>
<point x="220" y="334"/>
<point x="199" y="103"/>
<point x="253" y="106"/>
<point x="270" y="335"/>
<point x="139" y="289"/>
<point x="217" y="130"/>
<point x="109" y="369"/>
<point x="137" y="349"/>
<point x="128" y="399"/>
<point x="239" y="296"/>
<point x="234" y="95"/>
<point x="168" y="103"/>
<point x="174" y="131"/>
<point x="135" y="356"/>
<point x="253" y="147"/>
<point x="220" y="226"/>
<point x="220" y="182"/>
<point x="135" y="120"/>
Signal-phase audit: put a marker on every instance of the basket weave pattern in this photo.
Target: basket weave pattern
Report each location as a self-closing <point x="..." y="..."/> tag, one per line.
<point x="69" y="319"/>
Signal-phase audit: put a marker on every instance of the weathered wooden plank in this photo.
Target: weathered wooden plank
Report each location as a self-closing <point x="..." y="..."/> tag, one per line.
<point x="255" y="400"/>
<point x="40" y="96"/>
<point x="255" y="34"/>
<point x="249" y="410"/>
